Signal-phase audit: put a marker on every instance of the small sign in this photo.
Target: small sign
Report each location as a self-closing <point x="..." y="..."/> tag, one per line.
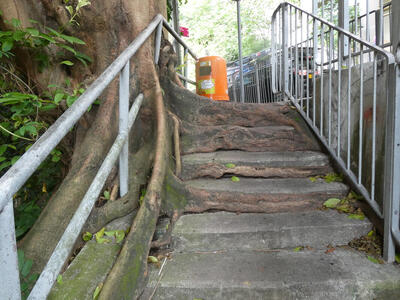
<point x="184" y="31"/>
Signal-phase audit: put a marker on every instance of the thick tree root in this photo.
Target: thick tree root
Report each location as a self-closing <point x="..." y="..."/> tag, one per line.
<point x="126" y="280"/>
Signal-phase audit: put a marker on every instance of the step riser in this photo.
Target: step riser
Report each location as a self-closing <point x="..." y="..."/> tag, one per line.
<point x="267" y="203"/>
<point x="215" y="170"/>
<point x="203" y="140"/>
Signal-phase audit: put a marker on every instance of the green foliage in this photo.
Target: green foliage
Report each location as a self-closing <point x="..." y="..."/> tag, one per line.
<point x="331" y="203"/>
<point x="87" y="236"/>
<point x="73" y="11"/>
<point x="22" y="108"/>
<point x="235" y="179"/>
<point x="213" y="26"/>
<point x="230" y="165"/>
<point x="26" y="277"/>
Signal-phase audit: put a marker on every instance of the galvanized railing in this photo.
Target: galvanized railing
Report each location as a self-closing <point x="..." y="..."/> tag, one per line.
<point x="346" y="89"/>
<point x="256" y="83"/>
<point x="15" y="178"/>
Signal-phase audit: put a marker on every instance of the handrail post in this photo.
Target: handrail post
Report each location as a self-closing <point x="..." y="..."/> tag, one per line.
<point x="345" y="24"/>
<point x="123" y="127"/>
<point x="285" y="56"/>
<point x="185" y="61"/>
<point x="392" y="163"/>
<point x="257" y="82"/>
<point x="9" y="283"/>
<point x="158" y="43"/>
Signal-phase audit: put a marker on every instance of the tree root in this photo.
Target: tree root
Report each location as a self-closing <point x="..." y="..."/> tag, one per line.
<point x="128" y="275"/>
<point x="166" y="239"/>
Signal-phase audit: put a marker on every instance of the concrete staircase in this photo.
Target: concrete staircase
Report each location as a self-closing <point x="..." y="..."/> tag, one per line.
<point x="280" y="252"/>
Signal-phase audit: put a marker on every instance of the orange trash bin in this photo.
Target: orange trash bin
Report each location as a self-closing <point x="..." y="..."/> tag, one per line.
<point x="211" y="78"/>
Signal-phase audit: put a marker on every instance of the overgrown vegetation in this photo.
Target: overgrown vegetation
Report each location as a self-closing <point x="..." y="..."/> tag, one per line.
<point x="26" y="111"/>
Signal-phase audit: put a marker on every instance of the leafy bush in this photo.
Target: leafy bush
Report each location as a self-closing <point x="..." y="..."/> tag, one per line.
<point x="24" y="113"/>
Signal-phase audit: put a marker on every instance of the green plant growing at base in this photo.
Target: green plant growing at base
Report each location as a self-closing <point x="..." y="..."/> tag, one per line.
<point x="26" y="277"/>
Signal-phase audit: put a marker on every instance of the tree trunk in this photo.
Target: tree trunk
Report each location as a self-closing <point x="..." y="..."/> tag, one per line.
<point x="107" y="27"/>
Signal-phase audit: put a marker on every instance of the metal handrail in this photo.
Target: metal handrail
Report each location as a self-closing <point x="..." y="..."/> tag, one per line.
<point x="336" y="140"/>
<point x="20" y="172"/>
<point x="390" y="57"/>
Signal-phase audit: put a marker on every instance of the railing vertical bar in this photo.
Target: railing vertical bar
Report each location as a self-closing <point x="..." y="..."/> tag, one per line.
<point x="296" y="56"/>
<point x="302" y="59"/>
<point x="9" y="283"/>
<point x="257" y="83"/>
<point x="360" y="146"/>
<point x="158" y="42"/>
<point x="285" y="62"/>
<point x="308" y="65"/>
<point x="374" y="95"/>
<point x="349" y="64"/>
<point x="315" y="45"/>
<point x="339" y="95"/>
<point x="321" y="125"/>
<point x="291" y="49"/>
<point x="123" y="127"/>
<point x="330" y="88"/>
<point x="185" y="61"/>
<point x="381" y="25"/>
<point x="392" y="163"/>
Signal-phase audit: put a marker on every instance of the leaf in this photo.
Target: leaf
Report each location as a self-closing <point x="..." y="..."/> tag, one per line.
<point x="313" y="179"/>
<point x="97" y="291"/>
<point x="32" y="31"/>
<point x="107" y="195"/>
<point x="100" y="233"/>
<point x="373" y="259"/>
<point x="59" y="279"/>
<point x="7" y="45"/>
<point x="356" y="217"/>
<point x="152" y="259"/>
<point x="72" y="39"/>
<point x="397" y="258"/>
<point x="3" y="149"/>
<point x="2" y="158"/>
<point x="70" y="9"/>
<point x="67" y="62"/>
<point x="58" y="97"/>
<point x="71" y="100"/>
<point x="230" y="165"/>
<point x="21" y="259"/>
<point x="110" y="233"/>
<point x="120" y="235"/>
<point x="27" y="267"/>
<point x="332" y="202"/>
<point x="87" y="236"/>
<point x="297" y="249"/>
<point x="14" y="159"/>
<point x="371" y="233"/>
<point x="235" y="179"/>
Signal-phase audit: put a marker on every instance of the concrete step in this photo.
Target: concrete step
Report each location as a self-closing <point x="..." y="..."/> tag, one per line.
<point x="309" y="274"/>
<point x="230" y="231"/>
<point x="262" y="195"/>
<point x="200" y="139"/>
<point x="255" y="164"/>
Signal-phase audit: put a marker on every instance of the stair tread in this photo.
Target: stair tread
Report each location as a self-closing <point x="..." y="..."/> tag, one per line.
<point x="283" y="273"/>
<point x="223" y="230"/>
<point x="226" y="222"/>
<point x="270" y="159"/>
<point x="267" y="186"/>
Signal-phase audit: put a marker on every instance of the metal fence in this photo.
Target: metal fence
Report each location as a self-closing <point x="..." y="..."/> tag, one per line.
<point x="15" y="177"/>
<point x="257" y="82"/>
<point x="349" y="98"/>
